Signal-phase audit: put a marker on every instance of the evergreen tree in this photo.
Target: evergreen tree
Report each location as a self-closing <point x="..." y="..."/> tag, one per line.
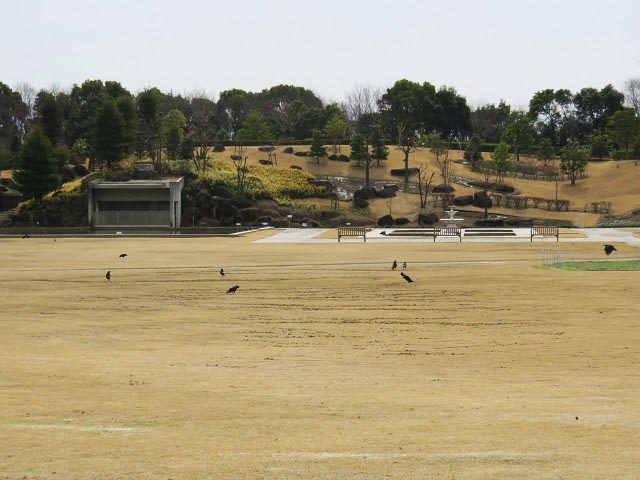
<point x="573" y="160"/>
<point x="36" y="171"/>
<point x="317" y="146"/>
<point x="379" y="150"/>
<point x="109" y="134"/>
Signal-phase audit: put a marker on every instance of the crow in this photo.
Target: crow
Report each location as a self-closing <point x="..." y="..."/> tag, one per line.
<point x="222" y="272"/>
<point x="233" y="289"/>
<point x="26" y="235"/>
<point x="406" y="277"/>
<point x="609" y="248"/>
<point x="394" y="265"/>
<point x="108" y="276"/>
<point x="122" y="255"/>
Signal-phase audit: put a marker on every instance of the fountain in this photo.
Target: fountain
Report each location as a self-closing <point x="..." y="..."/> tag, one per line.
<point x="452" y="220"/>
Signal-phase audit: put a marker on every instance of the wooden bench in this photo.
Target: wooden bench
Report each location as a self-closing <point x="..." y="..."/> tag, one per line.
<point x="447" y="232"/>
<point x="545" y="232"/>
<point x="352" y="232"/>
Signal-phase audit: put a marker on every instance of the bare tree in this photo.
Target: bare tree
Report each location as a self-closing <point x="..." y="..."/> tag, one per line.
<point x="424" y="185"/>
<point x="407" y="145"/>
<point x="632" y="90"/>
<point x="362" y="100"/>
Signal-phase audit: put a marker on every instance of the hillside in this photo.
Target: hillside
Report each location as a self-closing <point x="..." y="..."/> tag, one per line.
<point x="617" y="182"/>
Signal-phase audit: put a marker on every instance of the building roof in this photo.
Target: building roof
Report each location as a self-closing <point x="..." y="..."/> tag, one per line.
<point x="135" y="184"/>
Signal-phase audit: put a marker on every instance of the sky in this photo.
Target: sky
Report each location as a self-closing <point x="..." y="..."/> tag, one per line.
<point x="487" y="50"/>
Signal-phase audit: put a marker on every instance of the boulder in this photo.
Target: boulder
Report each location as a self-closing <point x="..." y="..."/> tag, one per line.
<point x="489" y="222"/>
<point x="400" y="221"/>
<point x="442" y="188"/>
<point x="288" y="150"/>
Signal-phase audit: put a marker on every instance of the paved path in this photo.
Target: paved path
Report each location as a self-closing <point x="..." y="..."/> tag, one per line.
<point x="314" y="235"/>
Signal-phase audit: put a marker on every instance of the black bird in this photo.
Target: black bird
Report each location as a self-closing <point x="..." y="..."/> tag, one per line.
<point x="394" y="265"/>
<point x="609" y="248"/>
<point x="108" y="276"/>
<point x="406" y="277"/>
<point x="222" y="272"/>
<point x="233" y="289"/>
<point x="122" y="255"/>
<point x="26" y="235"/>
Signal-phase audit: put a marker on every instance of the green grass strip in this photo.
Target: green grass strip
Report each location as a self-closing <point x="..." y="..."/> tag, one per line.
<point x="601" y="266"/>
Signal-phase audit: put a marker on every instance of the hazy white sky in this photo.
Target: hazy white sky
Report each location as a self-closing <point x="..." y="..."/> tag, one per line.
<point x="487" y="50"/>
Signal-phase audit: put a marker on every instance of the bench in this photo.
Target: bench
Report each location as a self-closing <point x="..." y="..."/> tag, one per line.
<point x="352" y="232"/>
<point x="447" y="232"/>
<point x="545" y="232"/>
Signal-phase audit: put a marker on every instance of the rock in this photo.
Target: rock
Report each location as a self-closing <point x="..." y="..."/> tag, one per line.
<point x="489" y="222"/>
<point x="400" y="221"/>
<point x="288" y="150"/>
<point x="442" y="188"/>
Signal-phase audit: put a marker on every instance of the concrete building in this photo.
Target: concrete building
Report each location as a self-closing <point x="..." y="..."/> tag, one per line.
<point x="136" y="203"/>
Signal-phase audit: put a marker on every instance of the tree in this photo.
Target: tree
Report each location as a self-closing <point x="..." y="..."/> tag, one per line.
<point x="552" y="111"/>
<point x="359" y="148"/>
<point x="360" y="153"/>
<point x="49" y="115"/>
<point x="624" y="129"/>
<point x="440" y="148"/>
<point x="36" y="170"/>
<point x="335" y="130"/>
<point x="13" y="115"/>
<point x="450" y="115"/>
<point x="573" y="160"/>
<point x="379" y="149"/>
<point x="632" y="97"/>
<point x="501" y="162"/>
<point x="593" y="108"/>
<point x="149" y="116"/>
<point x="518" y="133"/>
<point x="109" y="134"/>
<point x="488" y="121"/>
<point x="61" y="156"/>
<point x="317" y="146"/>
<point x="173" y="124"/>
<point x="545" y="152"/>
<point x="407" y="145"/>
<point x="200" y="131"/>
<point x="254" y="129"/>
<point x="473" y="152"/>
<point x="599" y="146"/>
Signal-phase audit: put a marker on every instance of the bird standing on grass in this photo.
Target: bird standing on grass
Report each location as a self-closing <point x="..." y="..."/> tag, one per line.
<point x="394" y="265"/>
<point x="122" y="256"/>
<point x="609" y="248"/>
<point x="108" y="276"/>
<point x="222" y="272"/>
<point x="233" y="289"/>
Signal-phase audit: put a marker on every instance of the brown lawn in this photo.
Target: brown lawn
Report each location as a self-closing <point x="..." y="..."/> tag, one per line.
<point x="610" y="181"/>
<point x="324" y="365"/>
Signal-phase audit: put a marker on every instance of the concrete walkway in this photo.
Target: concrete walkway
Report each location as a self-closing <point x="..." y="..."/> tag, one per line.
<point x="315" y="235"/>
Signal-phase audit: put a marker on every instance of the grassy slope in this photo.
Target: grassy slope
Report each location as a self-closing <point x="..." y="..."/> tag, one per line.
<point x="616" y="182"/>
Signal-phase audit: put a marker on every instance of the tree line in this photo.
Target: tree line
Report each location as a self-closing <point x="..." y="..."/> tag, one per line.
<point x="104" y="121"/>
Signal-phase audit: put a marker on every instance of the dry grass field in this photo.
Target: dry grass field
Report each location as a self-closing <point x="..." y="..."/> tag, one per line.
<point x="324" y="364"/>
